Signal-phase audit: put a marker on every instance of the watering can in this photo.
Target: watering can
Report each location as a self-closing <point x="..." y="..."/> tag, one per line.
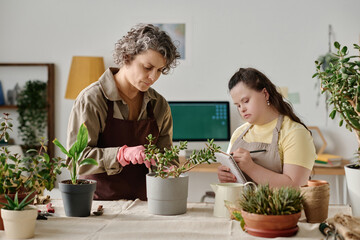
<point x="229" y="192"/>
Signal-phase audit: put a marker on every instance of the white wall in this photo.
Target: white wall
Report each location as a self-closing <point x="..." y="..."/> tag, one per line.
<point x="282" y="38"/>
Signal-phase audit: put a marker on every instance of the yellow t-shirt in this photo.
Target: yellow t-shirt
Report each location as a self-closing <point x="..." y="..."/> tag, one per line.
<point x="296" y="145"/>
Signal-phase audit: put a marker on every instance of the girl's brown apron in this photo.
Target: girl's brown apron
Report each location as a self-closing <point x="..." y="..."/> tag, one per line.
<point x="269" y="159"/>
<point x="130" y="183"/>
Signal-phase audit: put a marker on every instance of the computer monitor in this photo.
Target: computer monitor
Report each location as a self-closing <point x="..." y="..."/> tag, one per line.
<point x="199" y="121"/>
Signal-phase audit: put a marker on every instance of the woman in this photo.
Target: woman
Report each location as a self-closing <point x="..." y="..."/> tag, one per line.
<point x="121" y="109"/>
<point x="271" y="126"/>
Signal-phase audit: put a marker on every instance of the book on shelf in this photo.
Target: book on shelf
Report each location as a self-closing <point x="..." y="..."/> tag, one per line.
<point x="328" y="160"/>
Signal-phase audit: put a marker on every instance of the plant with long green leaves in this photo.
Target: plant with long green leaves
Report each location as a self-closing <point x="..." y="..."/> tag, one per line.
<point x="271" y="201"/>
<point x="76" y="151"/>
<point x="341" y="79"/>
<point x="15" y="205"/>
<point x="25" y="174"/>
<point x="167" y="161"/>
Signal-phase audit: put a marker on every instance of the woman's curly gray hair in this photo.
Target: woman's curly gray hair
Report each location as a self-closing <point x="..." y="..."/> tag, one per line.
<point x="141" y="38"/>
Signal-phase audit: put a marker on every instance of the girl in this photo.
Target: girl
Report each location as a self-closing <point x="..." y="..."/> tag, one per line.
<point x="271" y="126"/>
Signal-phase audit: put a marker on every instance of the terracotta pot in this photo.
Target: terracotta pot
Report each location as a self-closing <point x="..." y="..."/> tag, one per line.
<point x="314" y="183"/>
<point x="271" y="225"/>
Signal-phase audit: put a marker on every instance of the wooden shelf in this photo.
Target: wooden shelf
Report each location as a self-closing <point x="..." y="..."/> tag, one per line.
<point x="50" y="98"/>
<point x="8" y="107"/>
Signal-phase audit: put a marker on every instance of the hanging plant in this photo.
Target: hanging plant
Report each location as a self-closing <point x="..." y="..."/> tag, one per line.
<point x="32" y="109"/>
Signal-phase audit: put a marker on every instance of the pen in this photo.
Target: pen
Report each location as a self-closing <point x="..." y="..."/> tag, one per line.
<point x="261" y="150"/>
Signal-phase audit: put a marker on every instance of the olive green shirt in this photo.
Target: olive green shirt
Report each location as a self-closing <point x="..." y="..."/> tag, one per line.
<point x="91" y="108"/>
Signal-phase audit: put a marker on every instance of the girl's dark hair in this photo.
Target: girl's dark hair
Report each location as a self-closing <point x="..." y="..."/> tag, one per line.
<point x="257" y="81"/>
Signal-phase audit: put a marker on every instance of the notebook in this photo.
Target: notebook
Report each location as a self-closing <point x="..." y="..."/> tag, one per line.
<point x="228" y="160"/>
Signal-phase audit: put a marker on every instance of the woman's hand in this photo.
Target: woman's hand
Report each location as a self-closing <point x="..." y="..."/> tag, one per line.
<point x="243" y="159"/>
<point x="224" y="174"/>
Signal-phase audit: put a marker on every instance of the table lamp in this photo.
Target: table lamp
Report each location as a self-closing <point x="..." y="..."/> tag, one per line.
<point x="83" y="72"/>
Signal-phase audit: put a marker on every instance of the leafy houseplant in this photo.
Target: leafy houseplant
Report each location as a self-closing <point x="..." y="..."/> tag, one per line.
<point x="167" y="186"/>
<point x="270" y="212"/>
<point x="14" y="204"/>
<point x="19" y="218"/>
<point x="77" y="194"/>
<point x="342" y="81"/>
<point x="25" y="174"/>
<point x="167" y="162"/>
<point x="32" y="109"/>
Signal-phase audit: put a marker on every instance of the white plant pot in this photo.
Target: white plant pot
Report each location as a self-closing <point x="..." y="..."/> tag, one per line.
<point x="19" y="224"/>
<point x="353" y="181"/>
<point x="167" y="196"/>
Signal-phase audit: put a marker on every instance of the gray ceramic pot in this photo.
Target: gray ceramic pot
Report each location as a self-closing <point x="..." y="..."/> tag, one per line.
<point x="167" y="196"/>
<point x="78" y="198"/>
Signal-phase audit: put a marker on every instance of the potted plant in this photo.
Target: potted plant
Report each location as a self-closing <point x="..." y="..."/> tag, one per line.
<point x="77" y="194"/>
<point x="32" y="110"/>
<point x="270" y="212"/>
<point x="23" y="175"/>
<point x="19" y="218"/>
<point x="342" y="81"/>
<point x="167" y="185"/>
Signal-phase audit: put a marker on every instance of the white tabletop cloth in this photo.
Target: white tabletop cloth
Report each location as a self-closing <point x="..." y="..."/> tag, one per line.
<point x="130" y="220"/>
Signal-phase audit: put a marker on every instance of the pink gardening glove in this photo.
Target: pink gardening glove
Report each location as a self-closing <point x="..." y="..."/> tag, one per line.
<point x="135" y="155"/>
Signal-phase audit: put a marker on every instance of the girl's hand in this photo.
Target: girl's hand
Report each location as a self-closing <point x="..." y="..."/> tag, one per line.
<point x="243" y="159"/>
<point x="224" y="174"/>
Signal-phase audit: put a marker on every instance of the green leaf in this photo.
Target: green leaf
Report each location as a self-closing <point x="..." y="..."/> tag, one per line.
<point x="332" y="114"/>
<point x="57" y="143"/>
<point x="344" y="50"/>
<point x="336" y="45"/>
<point x="82" y="138"/>
<point x="341" y="122"/>
<point x="88" y="161"/>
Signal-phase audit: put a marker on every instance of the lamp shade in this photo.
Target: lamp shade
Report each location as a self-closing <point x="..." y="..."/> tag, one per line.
<point x="83" y="72"/>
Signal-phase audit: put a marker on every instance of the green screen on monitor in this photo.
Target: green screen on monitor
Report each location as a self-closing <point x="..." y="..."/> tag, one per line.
<point x="199" y="121"/>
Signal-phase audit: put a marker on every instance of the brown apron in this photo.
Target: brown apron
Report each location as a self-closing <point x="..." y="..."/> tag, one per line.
<point x="269" y="159"/>
<point x="130" y="183"/>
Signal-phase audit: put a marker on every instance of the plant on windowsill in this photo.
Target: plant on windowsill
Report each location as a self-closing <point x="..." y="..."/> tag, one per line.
<point x="167" y="185"/>
<point x="19" y="218"/>
<point x="77" y="194"/>
<point x="341" y="80"/>
<point x="22" y="175"/>
<point x="270" y="212"/>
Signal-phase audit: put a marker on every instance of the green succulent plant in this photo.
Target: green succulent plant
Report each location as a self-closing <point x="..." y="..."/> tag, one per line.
<point x="167" y="161"/>
<point x="271" y="201"/>
<point x="14" y="204"/>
